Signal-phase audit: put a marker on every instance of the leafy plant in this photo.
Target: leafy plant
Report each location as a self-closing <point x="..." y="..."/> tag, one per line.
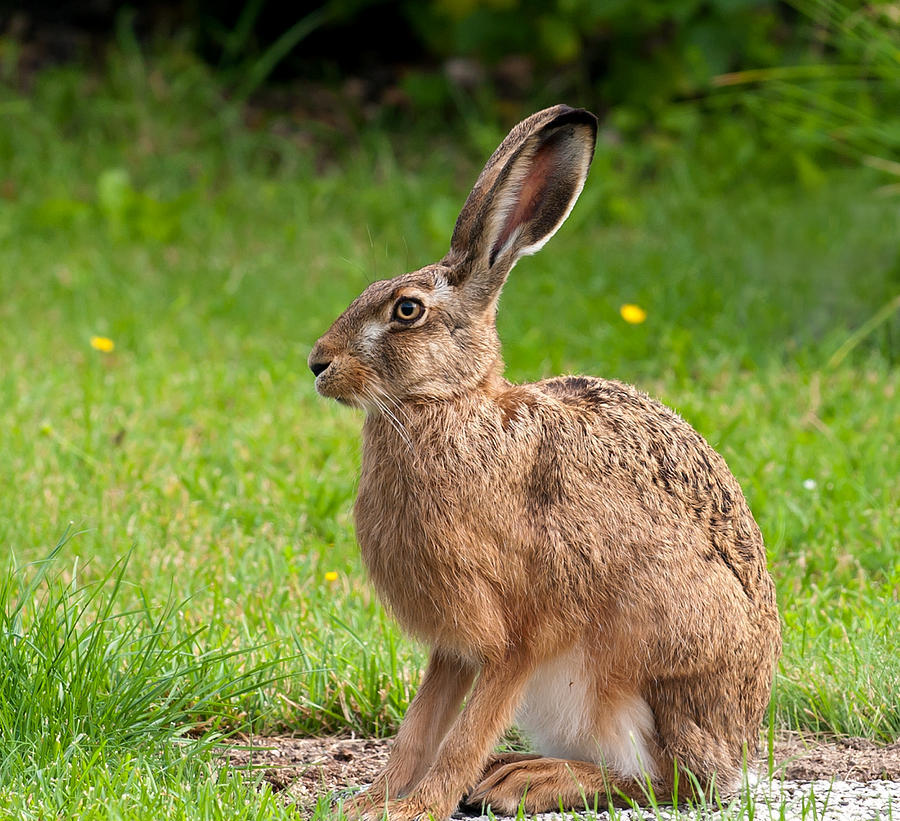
<point x="847" y="102"/>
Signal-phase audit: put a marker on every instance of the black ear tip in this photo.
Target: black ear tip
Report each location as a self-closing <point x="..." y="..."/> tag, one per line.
<point x="580" y="116"/>
<point x="583" y="113"/>
<point x="566" y="115"/>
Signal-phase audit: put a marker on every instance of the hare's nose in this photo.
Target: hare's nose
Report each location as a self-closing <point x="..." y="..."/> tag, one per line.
<point x="318" y="367"/>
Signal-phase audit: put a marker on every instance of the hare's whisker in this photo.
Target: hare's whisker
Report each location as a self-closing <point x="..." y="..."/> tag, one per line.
<point x="383" y="394"/>
<point x="394" y="401"/>
<point x="392" y="419"/>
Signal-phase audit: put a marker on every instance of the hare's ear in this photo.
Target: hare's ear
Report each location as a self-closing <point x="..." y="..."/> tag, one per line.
<point x="522" y="196"/>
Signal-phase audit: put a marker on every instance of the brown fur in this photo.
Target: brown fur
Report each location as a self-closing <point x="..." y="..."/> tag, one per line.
<point x="571" y="525"/>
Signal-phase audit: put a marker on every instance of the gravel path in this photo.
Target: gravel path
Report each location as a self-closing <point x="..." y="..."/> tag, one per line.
<point x="816" y="779"/>
<point x="776" y="801"/>
<point x="832" y="799"/>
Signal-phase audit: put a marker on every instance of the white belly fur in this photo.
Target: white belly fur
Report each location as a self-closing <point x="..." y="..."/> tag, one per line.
<point x="563" y="718"/>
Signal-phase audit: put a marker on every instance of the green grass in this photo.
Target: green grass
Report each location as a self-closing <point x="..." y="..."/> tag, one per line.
<point x="137" y="207"/>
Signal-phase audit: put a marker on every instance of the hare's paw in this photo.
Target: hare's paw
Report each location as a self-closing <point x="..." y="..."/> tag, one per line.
<point x="537" y="784"/>
<point x="403" y="809"/>
<point x="367" y="804"/>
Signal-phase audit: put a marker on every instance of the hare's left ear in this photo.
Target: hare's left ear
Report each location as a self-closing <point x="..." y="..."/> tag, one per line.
<point x="523" y="195"/>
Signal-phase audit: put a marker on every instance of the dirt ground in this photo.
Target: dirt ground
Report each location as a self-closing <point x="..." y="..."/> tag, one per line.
<point x="306" y="768"/>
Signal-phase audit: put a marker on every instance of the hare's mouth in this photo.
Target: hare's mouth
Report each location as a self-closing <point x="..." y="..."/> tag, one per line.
<point x="345" y="399"/>
<point x="325" y="389"/>
<point x="348" y="399"/>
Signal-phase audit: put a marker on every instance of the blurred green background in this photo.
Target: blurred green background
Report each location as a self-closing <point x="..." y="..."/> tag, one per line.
<point x="820" y="72"/>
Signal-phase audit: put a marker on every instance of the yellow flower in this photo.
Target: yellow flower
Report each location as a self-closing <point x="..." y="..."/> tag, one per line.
<point x="102" y="343"/>
<point x="633" y="314"/>
<point x="331" y="576"/>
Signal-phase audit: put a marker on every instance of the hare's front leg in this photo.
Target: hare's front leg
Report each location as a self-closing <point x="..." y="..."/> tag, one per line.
<point x="465" y="750"/>
<point x="444" y="685"/>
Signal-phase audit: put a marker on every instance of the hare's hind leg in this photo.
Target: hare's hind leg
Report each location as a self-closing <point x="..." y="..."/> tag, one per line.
<point x="550" y="784"/>
<point x="703" y="728"/>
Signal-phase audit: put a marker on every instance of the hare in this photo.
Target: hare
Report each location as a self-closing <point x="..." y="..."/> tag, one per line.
<point x="575" y="554"/>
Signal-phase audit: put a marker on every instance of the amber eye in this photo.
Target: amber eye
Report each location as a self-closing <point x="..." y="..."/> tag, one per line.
<point x="408" y="310"/>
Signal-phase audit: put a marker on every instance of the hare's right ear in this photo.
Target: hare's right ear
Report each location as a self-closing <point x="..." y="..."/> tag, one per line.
<point x="522" y="196"/>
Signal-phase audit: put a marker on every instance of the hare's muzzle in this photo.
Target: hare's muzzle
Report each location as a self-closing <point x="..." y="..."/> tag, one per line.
<point x="317" y="366"/>
<point x="331" y="376"/>
<point x="319" y="358"/>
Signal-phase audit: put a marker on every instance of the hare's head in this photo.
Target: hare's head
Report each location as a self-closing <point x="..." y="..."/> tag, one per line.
<point x="430" y="334"/>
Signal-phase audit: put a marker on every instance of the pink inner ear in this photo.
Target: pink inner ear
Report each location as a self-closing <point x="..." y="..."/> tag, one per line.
<point x="530" y="195"/>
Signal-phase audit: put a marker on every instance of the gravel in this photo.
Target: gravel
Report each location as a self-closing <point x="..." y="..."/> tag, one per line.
<point x="817" y="779"/>
<point x="773" y="800"/>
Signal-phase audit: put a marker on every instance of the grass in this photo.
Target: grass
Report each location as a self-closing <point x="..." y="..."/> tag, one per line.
<point x="137" y="206"/>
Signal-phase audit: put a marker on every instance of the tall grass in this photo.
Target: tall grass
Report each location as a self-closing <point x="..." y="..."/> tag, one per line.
<point x="112" y="710"/>
<point x="79" y="672"/>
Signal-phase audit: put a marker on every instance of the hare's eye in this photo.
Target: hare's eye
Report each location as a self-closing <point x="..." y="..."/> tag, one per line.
<point x="408" y="310"/>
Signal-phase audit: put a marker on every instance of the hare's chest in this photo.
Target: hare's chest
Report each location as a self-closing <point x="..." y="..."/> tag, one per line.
<point x="428" y="571"/>
<point x="412" y="517"/>
<point x="395" y="520"/>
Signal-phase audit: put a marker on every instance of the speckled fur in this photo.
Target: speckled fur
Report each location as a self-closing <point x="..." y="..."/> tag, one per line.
<point x="508" y="525"/>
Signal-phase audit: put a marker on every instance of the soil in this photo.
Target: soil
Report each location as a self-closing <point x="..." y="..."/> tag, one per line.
<point x="306" y="768"/>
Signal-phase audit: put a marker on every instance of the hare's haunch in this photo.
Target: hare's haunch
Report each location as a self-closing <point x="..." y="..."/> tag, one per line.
<point x="575" y="554"/>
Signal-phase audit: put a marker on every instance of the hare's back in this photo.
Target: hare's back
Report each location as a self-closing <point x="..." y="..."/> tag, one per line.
<point x="629" y="412"/>
<point x="639" y="437"/>
<point x="659" y="461"/>
<point x="640" y="425"/>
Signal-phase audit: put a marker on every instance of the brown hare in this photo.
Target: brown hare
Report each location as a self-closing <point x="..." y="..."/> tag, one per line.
<point x="575" y="554"/>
